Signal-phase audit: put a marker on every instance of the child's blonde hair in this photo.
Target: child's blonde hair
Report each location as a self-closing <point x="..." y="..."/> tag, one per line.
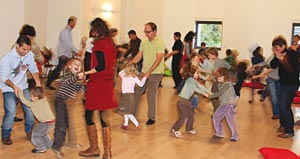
<point x="130" y="70"/>
<point x="70" y="61"/>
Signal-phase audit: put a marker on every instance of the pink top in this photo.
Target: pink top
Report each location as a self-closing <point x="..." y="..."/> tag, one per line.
<point x="128" y="83"/>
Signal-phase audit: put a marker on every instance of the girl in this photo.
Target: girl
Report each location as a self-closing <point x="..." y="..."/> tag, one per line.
<point x="68" y="89"/>
<point x="227" y="108"/>
<point x="184" y="104"/>
<point x="129" y="79"/>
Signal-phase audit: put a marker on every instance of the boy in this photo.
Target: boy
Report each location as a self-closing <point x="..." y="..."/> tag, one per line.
<point x="41" y="110"/>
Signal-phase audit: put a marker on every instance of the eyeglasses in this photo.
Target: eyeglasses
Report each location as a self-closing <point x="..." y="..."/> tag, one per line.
<point x="148" y="32"/>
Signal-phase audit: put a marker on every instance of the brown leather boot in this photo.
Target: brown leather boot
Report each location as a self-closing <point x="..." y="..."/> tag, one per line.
<point x="93" y="150"/>
<point x="107" y="139"/>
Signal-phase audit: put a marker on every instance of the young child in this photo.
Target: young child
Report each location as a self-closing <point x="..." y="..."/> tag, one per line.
<point x="129" y="79"/>
<point x="68" y="89"/>
<point x="184" y="104"/>
<point x="227" y="108"/>
<point x="241" y="76"/>
<point x="41" y="110"/>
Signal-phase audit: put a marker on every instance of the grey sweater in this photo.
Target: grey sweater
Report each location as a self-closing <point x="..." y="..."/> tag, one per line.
<point x="226" y="94"/>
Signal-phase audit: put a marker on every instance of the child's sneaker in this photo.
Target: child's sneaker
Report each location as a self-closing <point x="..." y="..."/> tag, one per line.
<point x="177" y="134"/>
<point x="194" y="132"/>
<point x="124" y="127"/>
<point x="58" y="153"/>
<point x="75" y="146"/>
<point x="38" y="151"/>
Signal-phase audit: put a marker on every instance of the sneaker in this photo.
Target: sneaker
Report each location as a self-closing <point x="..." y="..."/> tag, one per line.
<point x="74" y="146"/>
<point x="16" y="119"/>
<point x="217" y="137"/>
<point x="280" y="130"/>
<point x="285" y="135"/>
<point x="38" y="151"/>
<point x="177" y="134"/>
<point x="6" y="141"/>
<point x="124" y="127"/>
<point x="194" y="132"/>
<point x="58" y="153"/>
<point x="233" y="140"/>
<point x="262" y="99"/>
<point x="150" y="122"/>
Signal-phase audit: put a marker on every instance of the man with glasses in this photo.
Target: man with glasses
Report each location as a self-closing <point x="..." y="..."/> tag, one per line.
<point x="152" y="51"/>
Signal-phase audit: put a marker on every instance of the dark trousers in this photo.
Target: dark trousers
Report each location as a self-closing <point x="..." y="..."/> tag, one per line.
<point x="87" y="62"/>
<point x="55" y="73"/>
<point x="61" y="123"/>
<point x="176" y="72"/>
<point x="286" y="94"/>
<point x="185" y="113"/>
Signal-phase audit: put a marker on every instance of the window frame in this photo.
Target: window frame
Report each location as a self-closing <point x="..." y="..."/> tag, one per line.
<point x="220" y="22"/>
<point x="295" y="24"/>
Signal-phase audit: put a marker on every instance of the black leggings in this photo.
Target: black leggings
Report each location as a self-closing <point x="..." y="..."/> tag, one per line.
<point x="103" y="115"/>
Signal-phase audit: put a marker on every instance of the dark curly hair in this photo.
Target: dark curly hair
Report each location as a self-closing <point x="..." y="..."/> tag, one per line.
<point x="27" y="30"/>
<point x="100" y="26"/>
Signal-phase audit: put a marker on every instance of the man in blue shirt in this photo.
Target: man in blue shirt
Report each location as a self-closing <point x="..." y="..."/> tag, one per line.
<point x="13" y="68"/>
<point x="65" y="50"/>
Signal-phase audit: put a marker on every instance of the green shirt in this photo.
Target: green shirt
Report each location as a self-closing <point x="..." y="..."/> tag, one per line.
<point x="150" y="49"/>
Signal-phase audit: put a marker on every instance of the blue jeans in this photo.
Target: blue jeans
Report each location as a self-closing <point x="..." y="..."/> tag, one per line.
<point x="194" y="101"/>
<point x="286" y="94"/>
<point x="273" y="88"/>
<point x="9" y="99"/>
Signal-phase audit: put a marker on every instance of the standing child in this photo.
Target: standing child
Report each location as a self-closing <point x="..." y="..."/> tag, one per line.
<point x="184" y="103"/>
<point x="227" y="106"/>
<point x="241" y="76"/>
<point x="41" y="110"/>
<point x="129" y="79"/>
<point x="68" y="89"/>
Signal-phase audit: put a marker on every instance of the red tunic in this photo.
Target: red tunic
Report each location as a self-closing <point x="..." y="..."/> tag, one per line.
<point x="100" y="93"/>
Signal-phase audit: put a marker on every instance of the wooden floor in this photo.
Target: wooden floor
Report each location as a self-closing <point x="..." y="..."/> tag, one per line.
<point x="256" y="130"/>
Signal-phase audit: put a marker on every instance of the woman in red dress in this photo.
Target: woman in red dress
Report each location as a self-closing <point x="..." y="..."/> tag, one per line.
<point x="100" y="93"/>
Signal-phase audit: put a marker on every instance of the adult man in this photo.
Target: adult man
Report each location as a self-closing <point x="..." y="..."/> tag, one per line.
<point x="152" y="50"/>
<point x="288" y="69"/>
<point x="65" y="50"/>
<point x="13" y="67"/>
<point x="134" y="45"/>
<point x="177" y="54"/>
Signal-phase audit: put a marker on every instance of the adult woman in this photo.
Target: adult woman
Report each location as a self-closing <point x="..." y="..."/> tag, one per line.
<point x="100" y="93"/>
<point x="188" y="43"/>
<point x="38" y="56"/>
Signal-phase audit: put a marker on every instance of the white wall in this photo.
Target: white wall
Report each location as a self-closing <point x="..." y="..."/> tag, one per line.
<point x="12" y="19"/>
<point x="58" y="12"/>
<point x="35" y="15"/>
<point x="87" y="15"/>
<point x="244" y="22"/>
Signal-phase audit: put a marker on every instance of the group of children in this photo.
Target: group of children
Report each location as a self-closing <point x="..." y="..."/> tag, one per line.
<point x="225" y="83"/>
<point x="73" y="83"/>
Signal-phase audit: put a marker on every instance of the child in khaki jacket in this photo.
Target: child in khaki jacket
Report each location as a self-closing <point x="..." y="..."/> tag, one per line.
<point x="41" y="110"/>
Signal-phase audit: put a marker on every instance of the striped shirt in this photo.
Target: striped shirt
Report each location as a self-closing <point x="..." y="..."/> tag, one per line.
<point x="69" y="87"/>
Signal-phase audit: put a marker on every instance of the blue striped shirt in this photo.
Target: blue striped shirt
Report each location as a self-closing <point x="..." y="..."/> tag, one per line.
<point x="65" y="43"/>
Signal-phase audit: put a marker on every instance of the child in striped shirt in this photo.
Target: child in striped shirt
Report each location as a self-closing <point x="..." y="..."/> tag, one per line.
<point x="69" y="87"/>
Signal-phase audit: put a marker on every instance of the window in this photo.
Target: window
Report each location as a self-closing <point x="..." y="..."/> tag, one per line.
<point x="209" y="32"/>
<point x="295" y="30"/>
